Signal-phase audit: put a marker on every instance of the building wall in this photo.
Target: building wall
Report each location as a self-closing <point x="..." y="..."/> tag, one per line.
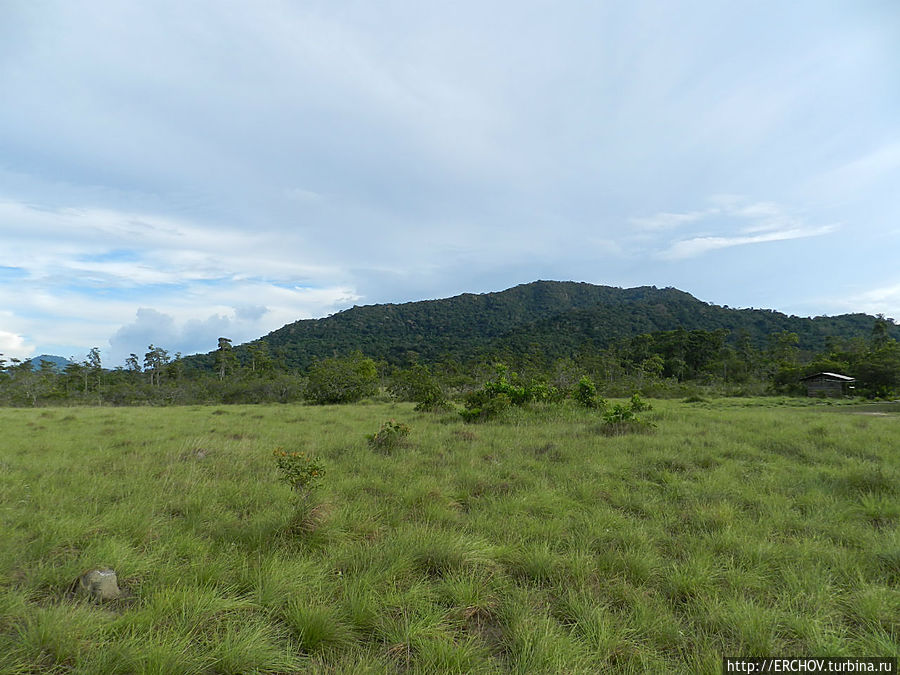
<point x="823" y="387"/>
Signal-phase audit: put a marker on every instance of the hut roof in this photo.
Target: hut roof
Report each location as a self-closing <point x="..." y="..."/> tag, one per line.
<point x="830" y="376"/>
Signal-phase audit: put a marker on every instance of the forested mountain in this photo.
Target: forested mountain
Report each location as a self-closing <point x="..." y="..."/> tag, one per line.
<point x="59" y="362"/>
<point x="601" y="325"/>
<point x="551" y="319"/>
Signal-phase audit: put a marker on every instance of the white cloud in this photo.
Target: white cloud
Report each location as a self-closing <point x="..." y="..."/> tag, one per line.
<point x="81" y="273"/>
<point x="176" y="325"/>
<point x="689" y="248"/>
<point x="880" y="300"/>
<point x="80" y="245"/>
<point x="13" y="346"/>
<point x="758" y="210"/>
<point x="732" y="221"/>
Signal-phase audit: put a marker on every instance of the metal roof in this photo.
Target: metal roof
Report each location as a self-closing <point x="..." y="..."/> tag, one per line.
<point x="833" y="376"/>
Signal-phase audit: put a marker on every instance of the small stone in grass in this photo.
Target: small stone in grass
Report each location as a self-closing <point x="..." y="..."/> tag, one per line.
<point x="100" y="585"/>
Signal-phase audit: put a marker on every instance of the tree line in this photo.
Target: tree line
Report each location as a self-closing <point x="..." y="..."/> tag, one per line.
<point x="661" y="363"/>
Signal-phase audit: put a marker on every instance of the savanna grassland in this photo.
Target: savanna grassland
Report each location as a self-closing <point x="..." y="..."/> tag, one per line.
<point x="538" y="544"/>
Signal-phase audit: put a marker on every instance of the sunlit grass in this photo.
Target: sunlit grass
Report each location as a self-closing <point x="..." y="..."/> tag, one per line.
<point x="538" y="544"/>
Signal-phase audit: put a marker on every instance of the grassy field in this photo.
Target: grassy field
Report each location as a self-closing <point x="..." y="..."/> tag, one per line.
<point x="537" y="545"/>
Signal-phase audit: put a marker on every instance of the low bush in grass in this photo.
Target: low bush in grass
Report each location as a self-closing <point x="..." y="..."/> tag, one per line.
<point x="586" y="396"/>
<point x="303" y="473"/>
<point x="298" y="470"/>
<point x="342" y="380"/>
<point x="481" y="406"/>
<point x="417" y="384"/>
<point x="507" y="389"/>
<point x="433" y="400"/>
<point x="389" y="437"/>
<point x="637" y="404"/>
<point x="622" y="418"/>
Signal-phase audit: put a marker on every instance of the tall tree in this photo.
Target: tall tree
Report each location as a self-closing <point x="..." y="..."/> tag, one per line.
<point x="95" y="366"/>
<point x="260" y="359"/>
<point x="132" y="364"/>
<point x="175" y="369"/>
<point x="155" y="361"/>
<point x="225" y="358"/>
<point x="76" y="374"/>
<point x="880" y="332"/>
<point x="783" y="347"/>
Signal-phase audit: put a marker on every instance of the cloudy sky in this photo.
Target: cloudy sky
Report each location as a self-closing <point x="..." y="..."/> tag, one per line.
<point x="172" y="172"/>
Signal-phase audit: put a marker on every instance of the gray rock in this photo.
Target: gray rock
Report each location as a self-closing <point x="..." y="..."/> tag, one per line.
<point x="100" y="585"/>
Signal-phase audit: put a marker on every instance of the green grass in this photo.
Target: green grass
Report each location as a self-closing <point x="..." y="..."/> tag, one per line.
<point x="539" y="544"/>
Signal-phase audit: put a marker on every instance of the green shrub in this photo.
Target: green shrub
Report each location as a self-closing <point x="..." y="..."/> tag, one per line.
<point x="301" y="472"/>
<point x="623" y="418"/>
<point x="342" y="380"/>
<point x="618" y="413"/>
<point x="637" y="404"/>
<point x="433" y="400"/>
<point x="482" y="406"/>
<point x="507" y="389"/>
<point x="416" y="383"/>
<point x="412" y="384"/>
<point x="586" y="396"/>
<point x="390" y="436"/>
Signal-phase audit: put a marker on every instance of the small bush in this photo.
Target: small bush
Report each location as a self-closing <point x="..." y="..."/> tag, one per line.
<point x="301" y="472"/>
<point x="622" y="418"/>
<point x="586" y="394"/>
<point x="637" y="404"/>
<point x="391" y="436"/>
<point x="496" y="396"/>
<point x="342" y="380"/>
<point x="418" y="384"/>
<point x="433" y="400"/>
<point x="618" y="413"/>
<point x="482" y="406"/>
<point x="412" y="384"/>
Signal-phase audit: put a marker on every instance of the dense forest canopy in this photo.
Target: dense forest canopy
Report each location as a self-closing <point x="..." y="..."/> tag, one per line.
<point x="552" y="318"/>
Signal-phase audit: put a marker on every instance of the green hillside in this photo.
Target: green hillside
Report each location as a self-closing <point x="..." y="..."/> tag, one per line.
<point x="59" y="362"/>
<point x="550" y="318"/>
<point x="563" y="334"/>
<point x="459" y="326"/>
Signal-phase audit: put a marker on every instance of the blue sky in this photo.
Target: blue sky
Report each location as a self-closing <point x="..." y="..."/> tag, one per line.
<point x="173" y="172"/>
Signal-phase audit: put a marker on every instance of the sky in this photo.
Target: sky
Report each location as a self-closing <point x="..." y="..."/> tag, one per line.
<point x="172" y="172"/>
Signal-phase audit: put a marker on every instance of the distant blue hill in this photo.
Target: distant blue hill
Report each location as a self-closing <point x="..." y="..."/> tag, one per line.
<point x="59" y="363"/>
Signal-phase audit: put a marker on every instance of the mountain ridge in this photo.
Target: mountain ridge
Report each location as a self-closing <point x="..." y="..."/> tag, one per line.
<point x="59" y="362"/>
<point x="552" y="318"/>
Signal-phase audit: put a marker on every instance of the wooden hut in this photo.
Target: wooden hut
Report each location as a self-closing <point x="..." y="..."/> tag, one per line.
<point x="827" y="384"/>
